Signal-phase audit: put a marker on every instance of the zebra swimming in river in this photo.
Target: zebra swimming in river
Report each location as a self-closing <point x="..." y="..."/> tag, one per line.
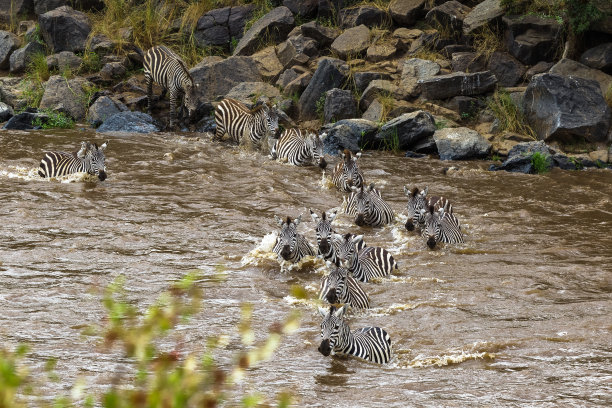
<point x="418" y="200"/>
<point x="441" y="226"/>
<point x="89" y="159"/>
<point x="326" y="243"/>
<point x="242" y="124"/>
<point x="369" y="343"/>
<point x="291" y="246"/>
<point x="366" y="263"/>
<point x="340" y="287"/>
<point x="368" y="207"/>
<point x="300" y="148"/>
<point x="347" y="174"/>
<point x="166" y="68"/>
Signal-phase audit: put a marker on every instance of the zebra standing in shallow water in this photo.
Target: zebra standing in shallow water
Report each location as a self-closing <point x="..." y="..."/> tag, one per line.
<point x="441" y="226"/>
<point x="369" y="343"/>
<point x="300" y="148"/>
<point x="243" y="124"/>
<point x="366" y="263"/>
<point x="290" y="245"/>
<point x="417" y="201"/>
<point x="89" y="158"/>
<point x="368" y="207"/>
<point x="166" y="68"/>
<point x="347" y="173"/>
<point x="327" y="244"/>
<point x="340" y="287"/>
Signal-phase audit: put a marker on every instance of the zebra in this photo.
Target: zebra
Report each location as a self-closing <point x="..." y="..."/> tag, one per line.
<point x="441" y="226"/>
<point x="326" y="243"/>
<point x="368" y="207"/>
<point x="89" y="158"/>
<point x="366" y="263"/>
<point x="347" y="174"/>
<point x="300" y="148"/>
<point x="340" y="287"/>
<point x="290" y="245"/>
<point x="243" y="124"/>
<point x="418" y="200"/>
<point x="166" y="68"/>
<point x="368" y="343"/>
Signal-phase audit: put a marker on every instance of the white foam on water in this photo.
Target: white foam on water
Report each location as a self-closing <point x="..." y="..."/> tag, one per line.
<point x="262" y="252"/>
<point x="31" y="174"/>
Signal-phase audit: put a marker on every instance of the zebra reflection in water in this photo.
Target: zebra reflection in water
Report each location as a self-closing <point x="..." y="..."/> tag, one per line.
<point x="89" y="159"/>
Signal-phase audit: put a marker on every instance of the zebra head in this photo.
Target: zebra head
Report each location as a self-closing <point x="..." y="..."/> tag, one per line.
<point x="336" y="283"/>
<point x="363" y="204"/>
<point x="315" y="146"/>
<point x="324" y="231"/>
<point x="93" y="158"/>
<point x="190" y="99"/>
<point x="431" y="231"/>
<point x="347" y="250"/>
<point x="271" y="114"/>
<point x="333" y="329"/>
<point x="287" y="237"/>
<point x="353" y="175"/>
<point x="416" y="202"/>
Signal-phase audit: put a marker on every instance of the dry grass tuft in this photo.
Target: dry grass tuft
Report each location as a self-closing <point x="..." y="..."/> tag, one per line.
<point x="509" y="114"/>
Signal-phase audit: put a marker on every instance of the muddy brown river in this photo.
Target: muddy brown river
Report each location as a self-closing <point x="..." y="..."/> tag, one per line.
<point x="519" y="315"/>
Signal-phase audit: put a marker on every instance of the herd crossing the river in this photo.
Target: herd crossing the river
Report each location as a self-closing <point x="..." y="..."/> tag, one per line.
<point x="348" y="259"/>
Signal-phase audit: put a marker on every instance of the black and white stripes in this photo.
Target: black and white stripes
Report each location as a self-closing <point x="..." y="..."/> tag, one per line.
<point x="89" y="159"/>
<point x="290" y="245"/>
<point x="347" y="174"/>
<point x="366" y="263"/>
<point x="300" y="148"/>
<point x="368" y="207"/>
<point x="242" y="124"/>
<point x="339" y="286"/>
<point x="441" y="226"/>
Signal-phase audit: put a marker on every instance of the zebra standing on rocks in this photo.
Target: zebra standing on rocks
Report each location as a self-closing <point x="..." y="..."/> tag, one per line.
<point x="441" y="226"/>
<point x="366" y="263"/>
<point x="340" y="287"/>
<point x="368" y="207"/>
<point x="369" y="343"/>
<point x="166" y="68"/>
<point x="300" y="148"/>
<point x="290" y="245"/>
<point x="418" y="200"/>
<point x="347" y="174"/>
<point x="89" y="159"/>
<point x="327" y="244"/>
<point x="243" y="124"/>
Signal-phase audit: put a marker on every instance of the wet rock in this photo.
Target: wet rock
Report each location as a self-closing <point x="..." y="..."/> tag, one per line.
<point x="103" y="108"/>
<point x="321" y="34"/>
<point x="450" y="14"/>
<point x="353" y="41"/>
<point x="406" y="12"/>
<point x="408" y="129"/>
<point x="20" y="58"/>
<point x="519" y="157"/>
<point x="305" y="8"/>
<point x="6" y="112"/>
<point x="599" y="57"/>
<point x="65" y="29"/>
<point x="482" y="14"/>
<point x="461" y="144"/>
<point x="131" y="122"/>
<point x="468" y="62"/>
<point x="566" y="109"/>
<point x="348" y="134"/>
<point x="339" y="104"/>
<point x="458" y="83"/>
<point x="25" y="121"/>
<point x="292" y="51"/>
<point x="246" y="92"/>
<point x="9" y="42"/>
<point x="331" y="73"/>
<point x="532" y="39"/>
<point x="277" y="24"/>
<point x="370" y="16"/>
<point x="268" y="64"/>
<point x="568" y="67"/>
<point x="507" y="69"/>
<point x="538" y="68"/>
<point x="67" y="96"/>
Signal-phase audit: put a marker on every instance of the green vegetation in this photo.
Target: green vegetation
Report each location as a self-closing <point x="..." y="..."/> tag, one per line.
<point x="162" y="378"/>
<point x="320" y="108"/>
<point x="508" y="114"/>
<point x="37" y="73"/>
<point x="496" y="157"/>
<point x="440" y="124"/>
<point x="388" y="103"/>
<point x="608" y="96"/>
<point x="54" y="120"/>
<point x="91" y="62"/>
<point x="541" y="162"/>
<point x="391" y="141"/>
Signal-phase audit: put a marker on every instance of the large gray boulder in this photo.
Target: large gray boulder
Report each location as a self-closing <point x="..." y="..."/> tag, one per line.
<point x="130" y="122"/>
<point x="508" y="70"/>
<point x="458" y="83"/>
<point x="66" y="96"/>
<point x="566" y="109"/>
<point x="351" y="134"/>
<point x="331" y="73"/>
<point x="9" y="42"/>
<point x="11" y="8"/>
<point x="6" y="112"/>
<point x="20" y="58"/>
<point x="321" y="34"/>
<point x="363" y="79"/>
<point x="268" y="63"/>
<point x="25" y="121"/>
<point x="461" y="144"/>
<point x="370" y="16"/>
<point x="450" y="14"/>
<point x="406" y="12"/>
<point x="599" y="57"/>
<point x="64" y="60"/>
<point x="379" y="87"/>
<point x="482" y="14"/>
<point x="339" y="104"/>
<point x="305" y="8"/>
<point x="219" y="26"/>
<point x="532" y="39"/>
<point x="410" y="129"/>
<point x="468" y="61"/>
<point x="65" y="29"/>
<point x="296" y="49"/>
<point x="42" y="6"/>
<point x="520" y="157"/>
<point x="274" y="25"/>
<point x="568" y="67"/>
<point x="103" y="108"/>
<point x="247" y="92"/>
<point x="352" y="42"/>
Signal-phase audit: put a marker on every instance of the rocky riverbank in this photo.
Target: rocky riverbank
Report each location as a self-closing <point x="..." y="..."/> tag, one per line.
<point x="461" y="80"/>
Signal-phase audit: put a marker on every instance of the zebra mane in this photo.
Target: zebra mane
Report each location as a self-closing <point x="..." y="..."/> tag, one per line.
<point x="258" y="107"/>
<point x="289" y="220"/>
<point x="323" y="215"/>
<point x="332" y="309"/>
<point x="431" y="209"/>
<point x="414" y="191"/>
<point x="347" y="155"/>
<point x="347" y="237"/>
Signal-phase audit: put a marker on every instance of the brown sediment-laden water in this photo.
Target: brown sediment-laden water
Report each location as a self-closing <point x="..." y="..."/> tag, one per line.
<point x="518" y="315"/>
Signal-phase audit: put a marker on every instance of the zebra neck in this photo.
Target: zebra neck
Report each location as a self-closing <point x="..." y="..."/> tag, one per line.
<point x="258" y="125"/>
<point x="346" y="339"/>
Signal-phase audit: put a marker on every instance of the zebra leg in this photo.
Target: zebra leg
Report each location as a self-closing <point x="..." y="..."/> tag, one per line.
<point x="149" y="81"/>
<point x="172" y="110"/>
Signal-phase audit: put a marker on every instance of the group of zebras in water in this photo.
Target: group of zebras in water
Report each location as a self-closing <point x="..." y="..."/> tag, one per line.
<point x="347" y="256"/>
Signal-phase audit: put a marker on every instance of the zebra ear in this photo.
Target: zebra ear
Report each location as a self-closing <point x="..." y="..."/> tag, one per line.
<point x="83" y="150"/>
<point x="104" y="145"/>
<point x="297" y="220"/>
<point x="332" y="215"/>
<point x="314" y="216"/>
<point x="406" y="191"/>
<point x="356" y="156"/>
<point x="279" y="221"/>
<point x="422" y="211"/>
<point x="340" y="312"/>
<point x="338" y="237"/>
<point x="424" y="192"/>
<point x="357" y="239"/>
<point x="322" y="311"/>
<point x="355" y="189"/>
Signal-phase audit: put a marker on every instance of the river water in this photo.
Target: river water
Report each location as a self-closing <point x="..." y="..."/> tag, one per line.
<point x="518" y="315"/>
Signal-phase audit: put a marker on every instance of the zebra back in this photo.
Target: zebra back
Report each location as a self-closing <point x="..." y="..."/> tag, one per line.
<point x="441" y="226"/>
<point x="347" y="174"/>
<point x="340" y="287"/>
<point x="300" y="147"/>
<point x="369" y="208"/>
<point x="290" y="245"/>
<point x="242" y="124"/>
<point x="89" y="159"/>
<point x="368" y="343"/>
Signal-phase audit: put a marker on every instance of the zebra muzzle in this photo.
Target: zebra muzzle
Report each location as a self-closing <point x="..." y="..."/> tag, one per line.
<point x="431" y="242"/>
<point x="324" y="246"/>
<point x="286" y="252"/>
<point x="324" y="348"/>
<point x="102" y="175"/>
<point x="360" y="220"/>
<point x="409" y="225"/>
<point x="322" y="164"/>
<point x="331" y="296"/>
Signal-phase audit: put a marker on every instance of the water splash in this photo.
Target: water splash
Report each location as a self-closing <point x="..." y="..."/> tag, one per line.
<point x="31" y="174"/>
<point x="262" y="252"/>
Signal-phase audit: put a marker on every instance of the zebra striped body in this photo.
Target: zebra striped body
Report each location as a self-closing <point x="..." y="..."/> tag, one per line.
<point x="368" y="207"/>
<point x="89" y="159"/>
<point x="418" y="200"/>
<point x="441" y="226"/>
<point x="346" y="173"/>
<point x="166" y="68"/>
<point x="327" y="243"/>
<point x="366" y="263"/>
<point x="290" y="245"/>
<point x="369" y="343"/>
<point x="243" y="124"/>
<point x="300" y="148"/>
<point x="340" y="287"/>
